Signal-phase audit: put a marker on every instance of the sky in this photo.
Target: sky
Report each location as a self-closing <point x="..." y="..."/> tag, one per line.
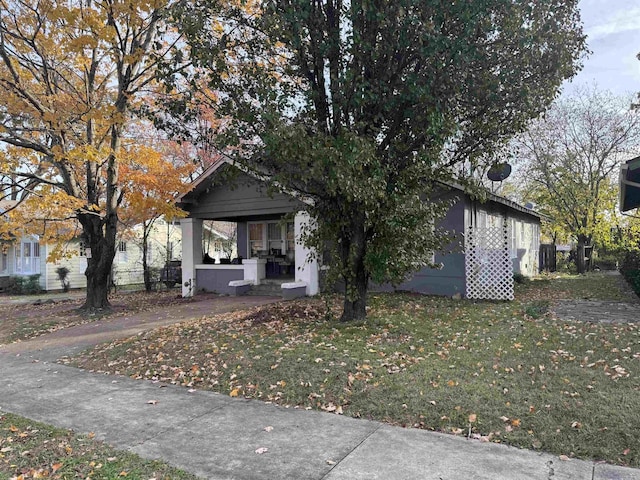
<point x="613" y="36"/>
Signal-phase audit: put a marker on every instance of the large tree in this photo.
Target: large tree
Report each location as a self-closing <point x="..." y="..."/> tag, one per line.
<point x="72" y="73"/>
<point x="571" y="158"/>
<point x="362" y="105"/>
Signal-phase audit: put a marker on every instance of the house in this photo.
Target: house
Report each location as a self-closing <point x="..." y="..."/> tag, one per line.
<point x="28" y="255"/>
<point x="499" y="238"/>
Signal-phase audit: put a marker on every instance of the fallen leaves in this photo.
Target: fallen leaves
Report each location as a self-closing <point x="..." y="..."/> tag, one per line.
<point x="35" y="451"/>
<point x="422" y="362"/>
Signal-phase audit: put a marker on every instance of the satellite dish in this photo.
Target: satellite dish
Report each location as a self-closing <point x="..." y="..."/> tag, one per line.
<point x="529" y="205"/>
<point x="499" y="172"/>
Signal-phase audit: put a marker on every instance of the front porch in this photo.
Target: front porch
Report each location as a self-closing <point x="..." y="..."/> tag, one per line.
<point x="267" y="241"/>
<point x="288" y="265"/>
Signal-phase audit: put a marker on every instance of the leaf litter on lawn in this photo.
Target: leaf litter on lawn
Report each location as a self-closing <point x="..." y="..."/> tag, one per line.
<point x="423" y="362"/>
<point x="22" y="322"/>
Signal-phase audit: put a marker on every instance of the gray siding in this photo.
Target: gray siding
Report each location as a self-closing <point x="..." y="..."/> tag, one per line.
<point x="217" y="280"/>
<point x="245" y="197"/>
<point x="242" y="238"/>
<point x="451" y="278"/>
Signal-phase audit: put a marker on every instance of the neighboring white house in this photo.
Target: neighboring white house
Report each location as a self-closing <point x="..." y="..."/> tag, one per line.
<point x="29" y="256"/>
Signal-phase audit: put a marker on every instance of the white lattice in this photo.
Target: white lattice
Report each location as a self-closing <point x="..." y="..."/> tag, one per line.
<point x="488" y="265"/>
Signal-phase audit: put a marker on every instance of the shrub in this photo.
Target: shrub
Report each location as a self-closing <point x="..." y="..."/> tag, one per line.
<point x="520" y="278"/>
<point x="606" y="261"/>
<point x="62" y="276"/>
<point x="630" y="269"/>
<point x="26" y="285"/>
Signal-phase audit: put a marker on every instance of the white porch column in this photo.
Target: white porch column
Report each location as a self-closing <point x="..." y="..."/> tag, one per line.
<point x="306" y="269"/>
<point x="191" y="253"/>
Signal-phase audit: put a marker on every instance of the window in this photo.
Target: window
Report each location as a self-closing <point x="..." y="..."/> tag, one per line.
<point x="28" y="257"/>
<point x="122" y="252"/>
<point x="82" y="257"/>
<point x="256" y="241"/>
<point x="291" y="243"/>
<point x="274" y="231"/>
<point x="513" y="249"/>
<point x="149" y="254"/>
<point x="482" y="219"/>
<point x="170" y="250"/>
<point x="4" y="262"/>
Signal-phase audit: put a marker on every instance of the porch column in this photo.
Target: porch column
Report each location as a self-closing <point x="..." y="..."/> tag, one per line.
<point x="191" y="253"/>
<point x="306" y="269"/>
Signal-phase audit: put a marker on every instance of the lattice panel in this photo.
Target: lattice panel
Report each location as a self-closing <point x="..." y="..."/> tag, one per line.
<point x="488" y="265"/>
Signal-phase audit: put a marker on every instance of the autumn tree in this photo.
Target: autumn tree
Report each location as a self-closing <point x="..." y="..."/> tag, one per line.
<point x="362" y="105"/>
<point x="150" y="184"/>
<point x="72" y="74"/>
<point x="571" y="159"/>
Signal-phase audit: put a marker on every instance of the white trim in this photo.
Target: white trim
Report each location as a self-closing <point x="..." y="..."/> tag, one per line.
<point x="219" y="266"/>
<point x="240" y="283"/>
<point x="306" y="265"/>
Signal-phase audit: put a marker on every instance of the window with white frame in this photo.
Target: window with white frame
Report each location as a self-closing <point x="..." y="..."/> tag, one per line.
<point x="256" y="240"/>
<point x="274" y="232"/>
<point x="481" y="219"/>
<point x="27" y="257"/>
<point x="149" y="254"/>
<point x="170" y="250"/>
<point x="494" y="220"/>
<point x="513" y="246"/>
<point x="291" y="243"/>
<point x="4" y="262"/>
<point x="122" y="252"/>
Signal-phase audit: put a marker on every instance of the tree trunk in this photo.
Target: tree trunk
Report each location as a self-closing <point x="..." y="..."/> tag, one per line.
<point x="356" y="278"/>
<point x="146" y="273"/>
<point x="102" y="242"/>
<point x="581" y="263"/>
<point x="355" y="309"/>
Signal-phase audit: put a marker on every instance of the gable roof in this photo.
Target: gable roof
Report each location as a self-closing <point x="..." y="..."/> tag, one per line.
<point x="204" y="181"/>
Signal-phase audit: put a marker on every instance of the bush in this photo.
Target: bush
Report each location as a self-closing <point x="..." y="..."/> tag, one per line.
<point x="26" y="285"/>
<point x="520" y="278"/>
<point x="630" y="269"/>
<point x="566" y="264"/>
<point x="606" y="261"/>
<point x="62" y="276"/>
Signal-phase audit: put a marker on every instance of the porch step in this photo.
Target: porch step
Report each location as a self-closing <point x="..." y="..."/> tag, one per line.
<point x="266" y="289"/>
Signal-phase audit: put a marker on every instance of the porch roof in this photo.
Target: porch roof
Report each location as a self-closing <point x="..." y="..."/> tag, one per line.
<point x="226" y="191"/>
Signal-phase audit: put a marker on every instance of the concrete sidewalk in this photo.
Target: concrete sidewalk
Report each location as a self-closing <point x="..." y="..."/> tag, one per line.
<point x="216" y="437"/>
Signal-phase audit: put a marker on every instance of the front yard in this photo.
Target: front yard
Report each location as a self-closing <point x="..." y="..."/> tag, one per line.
<point x="501" y="372"/>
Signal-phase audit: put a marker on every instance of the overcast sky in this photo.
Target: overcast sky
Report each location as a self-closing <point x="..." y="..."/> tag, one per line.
<point x="613" y="31"/>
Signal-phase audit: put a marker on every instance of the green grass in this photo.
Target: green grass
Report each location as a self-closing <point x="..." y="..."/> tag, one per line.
<point x="500" y="371"/>
<point x="593" y="286"/>
<point x="33" y="450"/>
